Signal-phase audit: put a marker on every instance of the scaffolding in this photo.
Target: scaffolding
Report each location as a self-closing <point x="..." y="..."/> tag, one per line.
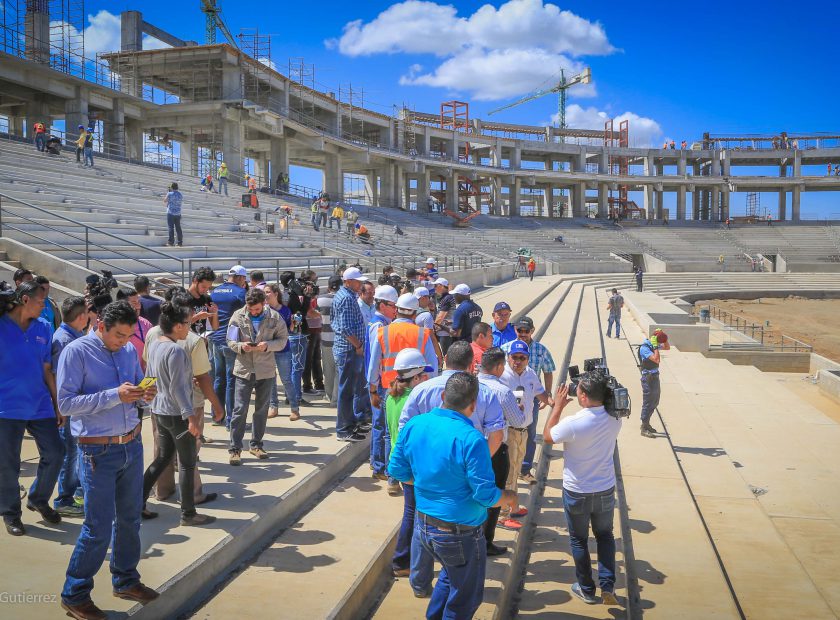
<point x="753" y="204"/>
<point x="257" y="79"/>
<point x="619" y="204"/>
<point x="455" y="117"/>
<point x="67" y="33"/>
<point x="302" y="85"/>
<point x="350" y="100"/>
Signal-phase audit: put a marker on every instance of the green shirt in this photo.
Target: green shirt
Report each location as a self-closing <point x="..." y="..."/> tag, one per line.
<point x="393" y="409"/>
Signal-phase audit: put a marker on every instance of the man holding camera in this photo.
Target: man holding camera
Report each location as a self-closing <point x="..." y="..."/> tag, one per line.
<point x="649" y="360"/>
<point x="588" y="439"/>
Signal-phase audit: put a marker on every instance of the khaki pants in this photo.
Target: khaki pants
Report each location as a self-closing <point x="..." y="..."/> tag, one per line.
<point x="517" y="440"/>
<point x="166" y="484"/>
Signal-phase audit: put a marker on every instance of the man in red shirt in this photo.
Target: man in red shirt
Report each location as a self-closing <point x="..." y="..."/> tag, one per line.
<point x="482" y="339"/>
<point x="41" y="136"/>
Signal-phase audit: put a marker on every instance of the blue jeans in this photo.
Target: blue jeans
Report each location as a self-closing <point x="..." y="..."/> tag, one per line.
<point x="617" y="320"/>
<point x="88" y="156"/>
<point x="348" y="366"/>
<point x="362" y="409"/>
<point x="68" y="478"/>
<point x="283" y="360"/>
<point x="380" y="444"/>
<point x="41" y="141"/>
<point x="173" y="222"/>
<point x="531" y="443"/>
<point x="50" y="451"/>
<point x="651" y="391"/>
<point x="597" y="508"/>
<point x="223" y="182"/>
<point x="223" y="360"/>
<point x="460" y="585"/>
<point x="409" y="554"/>
<point x="298" y="345"/>
<point x="112" y="477"/>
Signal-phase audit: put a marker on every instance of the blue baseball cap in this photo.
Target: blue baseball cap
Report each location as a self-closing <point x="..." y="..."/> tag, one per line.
<point x="518" y="346"/>
<point x="502" y="305"/>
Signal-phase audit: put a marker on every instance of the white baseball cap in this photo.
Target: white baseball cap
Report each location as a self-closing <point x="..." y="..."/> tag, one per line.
<point x="408" y="301"/>
<point x="431" y="260"/>
<point x="386" y="293"/>
<point x="238" y="270"/>
<point x="421" y="292"/>
<point x="461" y="289"/>
<point x="353" y="273"/>
<point x="442" y="281"/>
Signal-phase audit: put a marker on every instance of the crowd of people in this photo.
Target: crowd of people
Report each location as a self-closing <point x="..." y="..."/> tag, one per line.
<point x="449" y="399"/>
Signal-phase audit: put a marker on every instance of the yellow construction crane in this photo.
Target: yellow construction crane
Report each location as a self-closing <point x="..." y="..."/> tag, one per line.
<point x="560" y="88"/>
<point x="213" y="14"/>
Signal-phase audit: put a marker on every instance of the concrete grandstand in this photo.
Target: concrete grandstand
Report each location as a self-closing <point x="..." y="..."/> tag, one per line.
<point x="712" y="522"/>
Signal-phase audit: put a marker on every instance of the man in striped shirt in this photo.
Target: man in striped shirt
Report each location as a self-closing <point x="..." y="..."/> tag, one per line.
<point x="325" y="305"/>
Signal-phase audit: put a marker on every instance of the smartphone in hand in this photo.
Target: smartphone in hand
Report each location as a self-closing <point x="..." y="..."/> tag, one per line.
<point x="147" y="382"/>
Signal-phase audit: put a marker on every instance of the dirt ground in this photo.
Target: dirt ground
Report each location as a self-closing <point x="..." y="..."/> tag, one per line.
<point x="813" y="321"/>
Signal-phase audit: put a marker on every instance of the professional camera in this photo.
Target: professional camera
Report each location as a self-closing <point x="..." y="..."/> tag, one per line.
<point x="105" y="281"/>
<point x="299" y="286"/>
<point x="617" y="398"/>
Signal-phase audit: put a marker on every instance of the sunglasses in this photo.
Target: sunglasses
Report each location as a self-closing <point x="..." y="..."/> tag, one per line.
<point x="523" y="330"/>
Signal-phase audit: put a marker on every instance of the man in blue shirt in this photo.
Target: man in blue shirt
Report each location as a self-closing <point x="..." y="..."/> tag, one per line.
<point x="467" y="313"/>
<point x="228" y="297"/>
<point x="349" y="353"/>
<point x="27" y="403"/>
<point x="68" y="503"/>
<point x="503" y="331"/>
<point x="649" y="360"/>
<point x="98" y="387"/>
<point x="149" y="305"/>
<point x="173" y="201"/>
<point x="50" y="313"/>
<point x="447" y="461"/>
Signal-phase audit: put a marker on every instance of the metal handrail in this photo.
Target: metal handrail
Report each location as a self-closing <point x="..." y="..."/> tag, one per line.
<point x="87" y="230"/>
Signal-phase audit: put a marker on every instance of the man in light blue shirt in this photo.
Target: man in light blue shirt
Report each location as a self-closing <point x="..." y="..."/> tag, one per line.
<point x="447" y="460"/>
<point x="365" y="301"/>
<point x="98" y="387"/>
<point x="173" y="200"/>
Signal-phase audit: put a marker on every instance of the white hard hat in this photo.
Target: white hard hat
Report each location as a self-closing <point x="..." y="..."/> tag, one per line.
<point x="410" y="362"/>
<point x="461" y="289"/>
<point x="386" y="293"/>
<point x="408" y="301"/>
<point x="431" y="260"/>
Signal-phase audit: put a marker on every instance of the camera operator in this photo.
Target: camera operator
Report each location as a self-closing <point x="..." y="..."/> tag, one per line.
<point x="589" y="438"/>
<point x="649" y="360"/>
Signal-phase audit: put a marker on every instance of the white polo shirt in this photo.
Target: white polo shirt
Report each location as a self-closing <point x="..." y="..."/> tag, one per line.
<point x="589" y="442"/>
<point x="528" y="384"/>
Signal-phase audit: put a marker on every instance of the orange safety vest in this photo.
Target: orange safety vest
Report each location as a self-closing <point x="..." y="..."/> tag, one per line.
<point x="394" y="338"/>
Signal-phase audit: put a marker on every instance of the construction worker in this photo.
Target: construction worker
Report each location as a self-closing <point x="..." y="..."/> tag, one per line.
<point x="336" y="216"/>
<point x="223" y="178"/>
<point x="252" y="185"/>
<point x="80" y="143"/>
<point x="351" y="217"/>
<point x="40" y="136"/>
<point x="649" y="360"/>
<point x="385" y="343"/>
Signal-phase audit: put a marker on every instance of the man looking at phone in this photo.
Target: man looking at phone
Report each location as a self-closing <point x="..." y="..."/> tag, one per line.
<point x="98" y="377"/>
<point x="588" y="439"/>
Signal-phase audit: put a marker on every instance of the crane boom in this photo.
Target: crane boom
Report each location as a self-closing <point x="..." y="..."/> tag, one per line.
<point x="562" y="85"/>
<point x="214" y="20"/>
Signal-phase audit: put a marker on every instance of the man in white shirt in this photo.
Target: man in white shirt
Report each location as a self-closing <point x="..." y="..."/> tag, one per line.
<point x="589" y="438"/>
<point x="526" y="386"/>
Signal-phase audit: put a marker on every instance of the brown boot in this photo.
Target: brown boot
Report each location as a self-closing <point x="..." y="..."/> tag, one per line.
<point x="84" y="611"/>
<point x="137" y="593"/>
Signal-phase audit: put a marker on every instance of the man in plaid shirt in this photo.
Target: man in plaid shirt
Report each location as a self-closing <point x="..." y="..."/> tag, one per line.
<point x="349" y="352"/>
<point x="540" y="361"/>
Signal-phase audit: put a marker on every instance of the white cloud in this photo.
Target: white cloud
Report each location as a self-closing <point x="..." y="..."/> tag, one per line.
<point x="423" y="27"/>
<point x="268" y="62"/>
<point x="151" y="43"/>
<point x="643" y="131"/>
<point x="103" y="33"/>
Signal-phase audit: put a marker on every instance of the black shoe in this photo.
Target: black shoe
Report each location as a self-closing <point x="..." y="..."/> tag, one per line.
<point x="148" y="514"/>
<point x="494" y="550"/>
<point x="364" y="427"/>
<point x="15" y="527"/>
<point x="49" y="514"/>
<point x="352" y="437"/>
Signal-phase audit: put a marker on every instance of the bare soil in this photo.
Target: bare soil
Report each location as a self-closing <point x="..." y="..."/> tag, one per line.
<point x="813" y="321"/>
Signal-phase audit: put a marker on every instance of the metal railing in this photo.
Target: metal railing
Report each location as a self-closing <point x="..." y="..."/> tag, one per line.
<point x="82" y="238"/>
<point x="757" y="335"/>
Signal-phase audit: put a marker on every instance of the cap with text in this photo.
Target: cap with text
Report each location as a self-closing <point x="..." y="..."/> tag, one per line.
<point x="518" y="347"/>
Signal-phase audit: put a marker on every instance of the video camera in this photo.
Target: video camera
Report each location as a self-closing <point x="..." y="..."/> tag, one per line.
<point x="617" y="397"/>
<point x="105" y="281"/>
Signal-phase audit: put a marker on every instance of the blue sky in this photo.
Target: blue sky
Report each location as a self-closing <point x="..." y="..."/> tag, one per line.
<point x="675" y="69"/>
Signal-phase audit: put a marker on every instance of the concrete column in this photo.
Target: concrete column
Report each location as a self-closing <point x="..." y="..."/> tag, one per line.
<point x="37" y="31"/>
<point x="426" y="141"/>
<point x="725" y="164"/>
<point x="372" y="187"/>
<point x="714" y="211"/>
<point x="133" y="140"/>
<point x="232" y="82"/>
<point x="423" y="191"/>
<point x="681" y="188"/>
<point x="695" y="198"/>
<point x="496" y="196"/>
<point x="76" y="113"/>
<point x="232" y="150"/>
<point x="648" y="202"/>
<point x="37" y="110"/>
<point x="333" y="176"/>
<point x="515" y="198"/>
<point x="452" y="191"/>
<point x="386" y="186"/>
<point x="516" y="158"/>
<point x="189" y="161"/>
<point x="658" y="195"/>
<point x="782" y="195"/>
<point x="279" y="158"/>
<point x="496" y="153"/>
<point x="131" y="31"/>
<point x="795" y="196"/>
<point x="603" y="162"/>
<point x="400" y="188"/>
<point x="724" y="204"/>
<point x="797" y="163"/>
<point x="603" y="202"/>
<point x="715" y="167"/>
<point x="579" y="200"/>
<point x="261" y="169"/>
<point x="113" y="130"/>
